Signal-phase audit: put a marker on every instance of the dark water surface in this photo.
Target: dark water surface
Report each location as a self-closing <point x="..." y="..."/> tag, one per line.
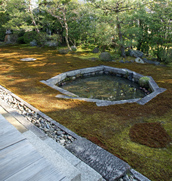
<point x="104" y="87"/>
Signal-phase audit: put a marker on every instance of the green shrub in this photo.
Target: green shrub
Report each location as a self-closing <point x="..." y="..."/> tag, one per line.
<point x="29" y="36"/>
<point x="14" y="37"/>
<point x="163" y="55"/>
<point x="169" y="56"/>
<point x="42" y="38"/>
<point x="144" y="82"/>
<point x="55" y="37"/>
<point x="2" y="34"/>
<point x="20" y="40"/>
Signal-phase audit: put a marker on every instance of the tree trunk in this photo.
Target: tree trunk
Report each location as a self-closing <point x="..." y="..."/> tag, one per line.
<point x="32" y="17"/>
<point x="140" y="40"/>
<point x="67" y="30"/>
<point x="36" y="27"/>
<point x="122" y="48"/>
<point x="139" y="45"/>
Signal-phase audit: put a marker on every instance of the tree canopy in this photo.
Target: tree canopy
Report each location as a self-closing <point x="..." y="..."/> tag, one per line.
<point x="145" y="24"/>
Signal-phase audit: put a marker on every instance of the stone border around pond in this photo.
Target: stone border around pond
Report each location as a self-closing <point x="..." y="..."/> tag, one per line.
<point x="91" y="71"/>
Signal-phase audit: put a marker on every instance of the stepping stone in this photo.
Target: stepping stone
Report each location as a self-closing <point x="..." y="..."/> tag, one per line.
<point x="106" y="164"/>
<point x="28" y="59"/>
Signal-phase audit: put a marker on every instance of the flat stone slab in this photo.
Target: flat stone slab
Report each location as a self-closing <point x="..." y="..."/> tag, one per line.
<point x="28" y="59"/>
<point x="106" y="164"/>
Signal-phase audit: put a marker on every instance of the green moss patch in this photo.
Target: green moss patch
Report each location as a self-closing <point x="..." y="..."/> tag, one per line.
<point x="150" y="134"/>
<point x="107" y="126"/>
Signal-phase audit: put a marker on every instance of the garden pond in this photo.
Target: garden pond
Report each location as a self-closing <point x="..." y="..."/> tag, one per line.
<point x="104" y="87"/>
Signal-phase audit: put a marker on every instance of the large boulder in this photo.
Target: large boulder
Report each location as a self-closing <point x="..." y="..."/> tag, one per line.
<point x="33" y="43"/>
<point x="105" y="56"/>
<point x="51" y="43"/>
<point x="135" y="53"/>
<point x="151" y="61"/>
<point x="96" y="50"/>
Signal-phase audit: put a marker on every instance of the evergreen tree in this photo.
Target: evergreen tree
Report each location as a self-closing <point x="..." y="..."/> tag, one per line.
<point x="59" y="9"/>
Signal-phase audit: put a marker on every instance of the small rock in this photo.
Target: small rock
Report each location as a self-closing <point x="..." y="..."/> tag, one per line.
<point x="70" y="137"/>
<point x="47" y="125"/>
<point x="41" y="120"/>
<point x="51" y="130"/>
<point x="62" y="142"/>
<point x="59" y="133"/>
<point x="38" y="125"/>
<point x="139" y="60"/>
<point x="121" y="61"/>
<point x="45" y="129"/>
<point x="96" y="50"/>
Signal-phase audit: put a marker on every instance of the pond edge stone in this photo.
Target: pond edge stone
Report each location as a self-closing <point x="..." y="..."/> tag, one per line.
<point x="131" y="75"/>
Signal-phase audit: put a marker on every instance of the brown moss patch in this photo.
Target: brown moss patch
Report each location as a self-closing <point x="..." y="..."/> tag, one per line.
<point x="150" y="134"/>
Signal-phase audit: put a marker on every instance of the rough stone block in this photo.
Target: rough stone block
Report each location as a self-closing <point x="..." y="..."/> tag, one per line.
<point x="151" y="96"/>
<point x="137" y="76"/>
<point x="73" y="73"/>
<point x="62" y="76"/>
<point x="53" y="80"/>
<point x="92" y="69"/>
<point x="139" y="176"/>
<point x="109" y="166"/>
<point x="152" y="84"/>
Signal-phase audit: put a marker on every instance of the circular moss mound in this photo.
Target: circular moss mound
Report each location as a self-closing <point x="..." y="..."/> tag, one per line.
<point x="150" y="134"/>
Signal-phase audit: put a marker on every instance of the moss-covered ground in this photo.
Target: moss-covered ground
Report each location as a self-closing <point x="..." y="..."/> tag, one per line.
<point x="106" y="126"/>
